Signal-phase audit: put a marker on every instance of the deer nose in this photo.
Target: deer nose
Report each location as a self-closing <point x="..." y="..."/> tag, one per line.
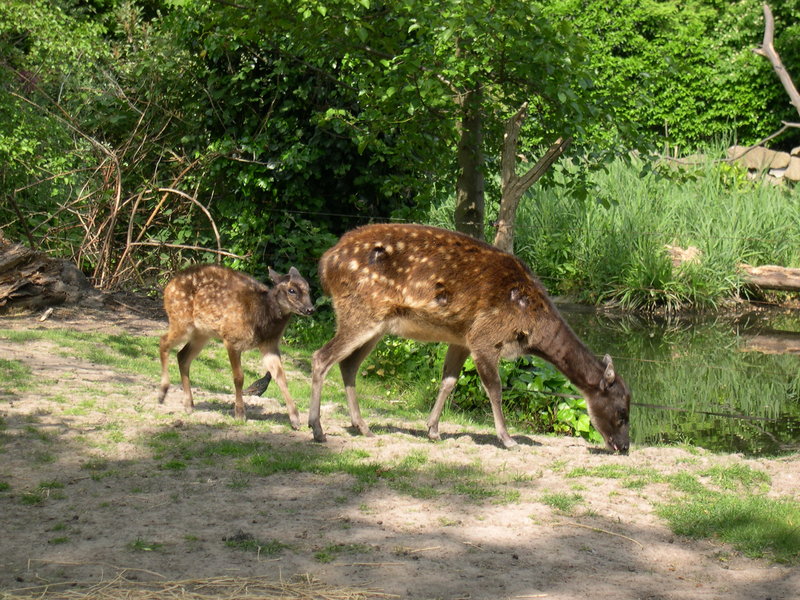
<point x="309" y="310"/>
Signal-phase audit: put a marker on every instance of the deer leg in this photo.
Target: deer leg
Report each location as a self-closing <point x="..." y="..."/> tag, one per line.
<point x="271" y="361"/>
<point x="185" y="357"/>
<point x="346" y="341"/>
<point x="235" y="356"/>
<point x="490" y="378"/>
<point x="349" y="368"/>
<point x="453" y="362"/>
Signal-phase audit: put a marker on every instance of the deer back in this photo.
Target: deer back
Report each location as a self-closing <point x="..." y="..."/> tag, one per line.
<point x="430" y="284"/>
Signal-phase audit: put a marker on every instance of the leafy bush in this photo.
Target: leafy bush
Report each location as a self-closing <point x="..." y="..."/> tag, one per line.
<point x="536" y="396"/>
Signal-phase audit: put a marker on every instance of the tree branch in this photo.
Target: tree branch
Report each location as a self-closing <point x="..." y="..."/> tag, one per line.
<point x="767" y="50"/>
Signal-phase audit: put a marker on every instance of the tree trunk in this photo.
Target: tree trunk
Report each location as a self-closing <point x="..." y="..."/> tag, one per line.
<point x="470" y="203"/>
<point x="513" y="186"/>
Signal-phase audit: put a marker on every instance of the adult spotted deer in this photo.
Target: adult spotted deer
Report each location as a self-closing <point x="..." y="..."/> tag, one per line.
<point x="436" y="285"/>
<point x="206" y="301"/>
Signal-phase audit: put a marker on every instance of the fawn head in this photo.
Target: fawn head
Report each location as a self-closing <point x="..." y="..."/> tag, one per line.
<point x="292" y="292"/>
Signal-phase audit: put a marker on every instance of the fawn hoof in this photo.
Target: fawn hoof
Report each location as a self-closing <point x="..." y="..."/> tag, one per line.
<point x="433" y="434"/>
<point x="295" y="423"/>
<point x="510" y="444"/>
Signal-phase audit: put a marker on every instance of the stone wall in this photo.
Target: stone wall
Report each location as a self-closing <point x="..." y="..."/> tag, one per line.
<point x="759" y="160"/>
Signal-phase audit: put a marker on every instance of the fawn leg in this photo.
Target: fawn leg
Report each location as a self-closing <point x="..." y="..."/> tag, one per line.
<point x="185" y="357"/>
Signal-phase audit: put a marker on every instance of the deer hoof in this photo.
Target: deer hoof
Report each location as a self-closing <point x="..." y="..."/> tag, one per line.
<point x="295" y="423"/>
<point x="510" y="444"/>
<point x="433" y="435"/>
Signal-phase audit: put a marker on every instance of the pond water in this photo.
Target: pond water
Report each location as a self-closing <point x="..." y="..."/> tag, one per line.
<point x="728" y="384"/>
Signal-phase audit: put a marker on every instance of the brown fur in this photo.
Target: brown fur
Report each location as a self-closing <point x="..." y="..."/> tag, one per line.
<point x="433" y="284"/>
<point x="206" y="301"/>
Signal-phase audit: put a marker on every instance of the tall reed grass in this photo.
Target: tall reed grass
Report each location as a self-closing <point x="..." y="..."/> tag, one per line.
<point x="610" y="246"/>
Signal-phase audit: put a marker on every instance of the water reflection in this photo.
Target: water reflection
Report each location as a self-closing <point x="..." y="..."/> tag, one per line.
<point x="729" y="384"/>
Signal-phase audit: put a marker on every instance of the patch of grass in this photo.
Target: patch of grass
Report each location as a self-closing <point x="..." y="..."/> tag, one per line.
<point x="174" y="465"/>
<point x="16" y="376"/>
<point x="5" y="486"/>
<point x="331" y="551"/>
<point x="32" y="498"/>
<point x="246" y="542"/>
<point x="737" y="476"/>
<point x="58" y="540"/>
<point x="562" y="502"/>
<point x="140" y="545"/>
<point x="753" y="524"/>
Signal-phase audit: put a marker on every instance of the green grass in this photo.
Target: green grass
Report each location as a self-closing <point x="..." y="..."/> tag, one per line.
<point x="15" y="377"/>
<point x="561" y="502"/>
<point x="246" y="542"/>
<point x="753" y="524"/>
<point x="140" y="545"/>
<point x="721" y="502"/>
<point x="330" y="552"/>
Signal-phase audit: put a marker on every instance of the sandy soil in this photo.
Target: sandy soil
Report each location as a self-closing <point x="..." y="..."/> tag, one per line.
<point x="612" y="545"/>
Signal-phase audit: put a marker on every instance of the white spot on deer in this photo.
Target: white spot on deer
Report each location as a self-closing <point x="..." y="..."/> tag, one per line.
<point x="353" y="265"/>
<point x="401" y="246"/>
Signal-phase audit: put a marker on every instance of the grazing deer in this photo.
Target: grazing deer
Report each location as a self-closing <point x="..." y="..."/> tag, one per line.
<point x="436" y="285"/>
<point x="206" y="301"/>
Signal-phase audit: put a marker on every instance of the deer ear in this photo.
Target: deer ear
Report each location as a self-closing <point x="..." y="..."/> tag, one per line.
<point x="609" y="375"/>
<point x="294" y="273"/>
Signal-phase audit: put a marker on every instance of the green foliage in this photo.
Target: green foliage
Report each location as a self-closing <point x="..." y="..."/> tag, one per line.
<point x="682" y="72"/>
<point x="535" y="396"/>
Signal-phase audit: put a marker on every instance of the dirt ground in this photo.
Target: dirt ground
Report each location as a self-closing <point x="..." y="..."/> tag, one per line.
<point x="155" y="524"/>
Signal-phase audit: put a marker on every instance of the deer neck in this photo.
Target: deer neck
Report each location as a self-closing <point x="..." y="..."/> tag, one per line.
<point x="561" y="347"/>
<point x="273" y="316"/>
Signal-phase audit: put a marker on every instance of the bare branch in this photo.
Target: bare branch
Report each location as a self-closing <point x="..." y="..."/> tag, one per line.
<point x="185" y="247"/>
<point x="203" y="208"/>
<point x="767" y="50"/>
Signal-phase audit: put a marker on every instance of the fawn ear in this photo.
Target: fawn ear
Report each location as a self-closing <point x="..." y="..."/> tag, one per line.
<point x="294" y="273"/>
<point x="275" y="276"/>
<point x="609" y="375"/>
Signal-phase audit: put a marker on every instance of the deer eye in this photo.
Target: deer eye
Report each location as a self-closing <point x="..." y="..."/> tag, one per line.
<point x="292" y="291"/>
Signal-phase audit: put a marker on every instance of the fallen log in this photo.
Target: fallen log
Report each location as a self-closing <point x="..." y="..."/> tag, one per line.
<point x="31" y="280"/>
<point x="772" y="277"/>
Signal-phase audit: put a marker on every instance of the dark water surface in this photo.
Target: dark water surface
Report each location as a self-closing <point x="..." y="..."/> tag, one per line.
<point x="725" y="383"/>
